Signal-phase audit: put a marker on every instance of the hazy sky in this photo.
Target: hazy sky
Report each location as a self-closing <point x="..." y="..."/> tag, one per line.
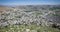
<point x="29" y="2"/>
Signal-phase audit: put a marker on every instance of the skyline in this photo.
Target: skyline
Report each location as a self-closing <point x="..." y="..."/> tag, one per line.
<point x="29" y="2"/>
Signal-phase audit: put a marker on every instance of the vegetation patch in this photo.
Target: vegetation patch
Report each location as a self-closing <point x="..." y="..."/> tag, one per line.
<point x="29" y="28"/>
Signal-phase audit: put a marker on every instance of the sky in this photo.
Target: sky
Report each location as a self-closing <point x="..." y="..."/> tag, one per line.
<point x="29" y="2"/>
